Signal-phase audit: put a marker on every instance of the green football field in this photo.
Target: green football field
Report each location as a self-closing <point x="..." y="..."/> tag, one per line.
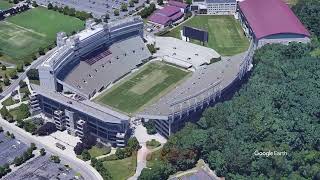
<point x="225" y="33"/>
<point x="143" y="87"/>
<point x="23" y="34"/>
<point x="5" y="5"/>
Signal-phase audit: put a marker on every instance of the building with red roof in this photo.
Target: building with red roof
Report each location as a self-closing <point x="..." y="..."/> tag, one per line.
<point x="166" y="16"/>
<point x="271" y="21"/>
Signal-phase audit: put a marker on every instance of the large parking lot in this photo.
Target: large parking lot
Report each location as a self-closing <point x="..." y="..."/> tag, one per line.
<point x="10" y="148"/>
<point x="98" y="8"/>
<point x="42" y="168"/>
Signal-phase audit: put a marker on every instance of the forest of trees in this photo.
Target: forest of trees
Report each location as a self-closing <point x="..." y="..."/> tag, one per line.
<point x="278" y="109"/>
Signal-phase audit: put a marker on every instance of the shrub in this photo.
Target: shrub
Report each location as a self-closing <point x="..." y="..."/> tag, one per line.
<point x="22" y="84"/>
<point x="6" y="81"/>
<point x="20" y="68"/>
<point x="116" y="12"/>
<point x="33" y="74"/>
<point x="46" y="129"/>
<point x="151" y="48"/>
<point x="85" y="155"/>
<point x="34" y="4"/>
<point x="153" y="143"/>
<point x="42" y="152"/>
<point x="78" y="149"/>
<point x="50" y="6"/>
<point x="41" y="51"/>
<point x="55" y="159"/>
<point x="150" y="125"/>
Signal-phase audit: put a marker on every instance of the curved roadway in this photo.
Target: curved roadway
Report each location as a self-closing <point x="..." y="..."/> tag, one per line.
<point x="15" y="83"/>
<point x="87" y="171"/>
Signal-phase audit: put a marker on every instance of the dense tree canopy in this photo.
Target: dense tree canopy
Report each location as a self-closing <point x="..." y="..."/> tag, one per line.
<point x="278" y="109"/>
<point x="309" y="13"/>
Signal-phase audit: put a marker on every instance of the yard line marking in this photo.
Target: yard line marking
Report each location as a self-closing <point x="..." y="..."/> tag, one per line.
<point x="26" y="29"/>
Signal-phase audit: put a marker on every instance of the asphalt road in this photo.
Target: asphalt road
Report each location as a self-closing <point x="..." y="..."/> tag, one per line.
<point x="23" y="75"/>
<point x="87" y="171"/>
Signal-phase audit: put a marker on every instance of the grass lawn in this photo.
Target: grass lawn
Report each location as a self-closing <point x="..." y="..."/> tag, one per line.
<point x="96" y="151"/>
<point x="225" y="33"/>
<point x="8" y="102"/>
<point x="25" y="90"/>
<point x="122" y="169"/>
<point x="7" y="71"/>
<point x="148" y="84"/>
<point x="37" y="82"/>
<point x="5" y="5"/>
<point x="15" y="113"/>
<point x="18" y="113"/>
<point x="23" y="34"/>
<point x="153" y="157"/>
<point x="291" y="2"/>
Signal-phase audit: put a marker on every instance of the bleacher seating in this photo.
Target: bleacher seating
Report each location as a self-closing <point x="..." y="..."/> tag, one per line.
<point x="106" y="66"/>
<point x="97" y="56"/>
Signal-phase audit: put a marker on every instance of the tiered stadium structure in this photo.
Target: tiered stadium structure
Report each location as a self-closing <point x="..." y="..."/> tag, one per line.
<point x="203" y="88"/>
<point x="87" y="63"/>
<point x="82" y="65"/>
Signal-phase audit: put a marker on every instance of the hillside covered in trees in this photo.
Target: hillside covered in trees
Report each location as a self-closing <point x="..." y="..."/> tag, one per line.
<point x="278" y="109"/>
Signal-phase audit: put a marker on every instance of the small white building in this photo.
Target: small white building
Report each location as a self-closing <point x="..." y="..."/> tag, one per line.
<point x="214" y="7"/>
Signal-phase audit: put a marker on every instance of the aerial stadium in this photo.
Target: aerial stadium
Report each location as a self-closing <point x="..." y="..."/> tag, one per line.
<point x="100" y="80"/>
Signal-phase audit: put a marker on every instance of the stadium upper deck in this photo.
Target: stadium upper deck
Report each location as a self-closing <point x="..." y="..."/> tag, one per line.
<point x="71" y="50"/>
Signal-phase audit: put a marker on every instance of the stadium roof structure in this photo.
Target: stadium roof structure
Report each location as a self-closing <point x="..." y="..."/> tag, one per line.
<point x="166" y="14"/>
<point x="271" y="17"/>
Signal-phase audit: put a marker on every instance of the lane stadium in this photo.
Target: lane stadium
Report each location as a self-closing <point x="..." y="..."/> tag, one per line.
<point x="104" y="77"/>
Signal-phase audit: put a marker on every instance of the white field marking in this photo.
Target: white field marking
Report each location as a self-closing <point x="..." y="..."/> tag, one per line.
<point x="26" y="29"/>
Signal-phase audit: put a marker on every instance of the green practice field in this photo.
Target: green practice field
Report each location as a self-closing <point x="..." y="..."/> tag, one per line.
<point x="5" y="5"/>
<point x="225" y="33"/>
<point x="149" y="83"/>
<point x="23" y="34"/>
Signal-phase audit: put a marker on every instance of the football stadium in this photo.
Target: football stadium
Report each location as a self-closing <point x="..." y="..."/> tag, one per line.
<point x="101" y="79"/>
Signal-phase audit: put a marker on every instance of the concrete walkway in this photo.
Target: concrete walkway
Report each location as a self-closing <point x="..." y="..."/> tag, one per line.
<point x="141" y="134"/>
<point x="16" y="105"/>
<point x="141" y="161"/>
